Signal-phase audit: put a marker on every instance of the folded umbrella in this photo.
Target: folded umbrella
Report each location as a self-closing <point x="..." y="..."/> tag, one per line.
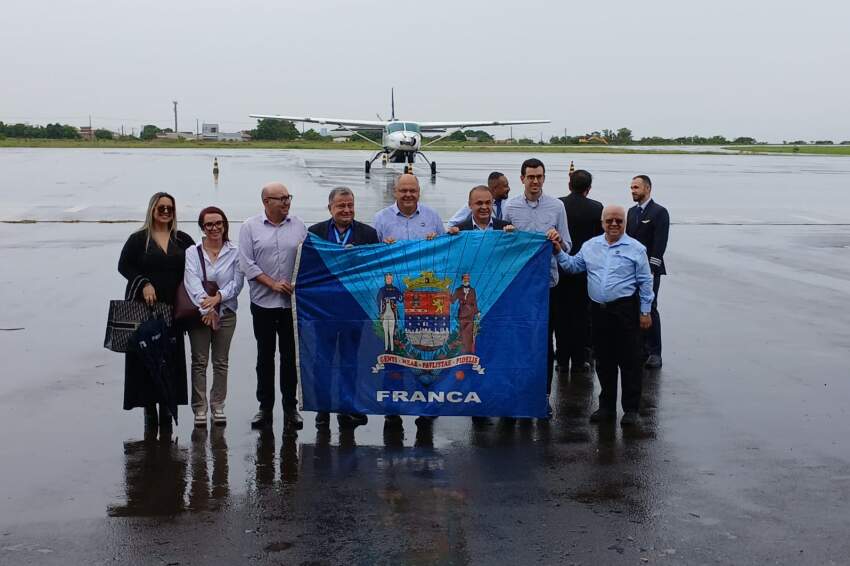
<point x="157" y="345"/>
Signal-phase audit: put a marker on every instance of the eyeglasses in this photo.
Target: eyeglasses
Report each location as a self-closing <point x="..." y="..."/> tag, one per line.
<point x="210" y="225"/>
<point x="165" y="209"/>
<point x="283" y="200"/>
<point x="535" y="177"/>
<point x="616" y="221"/>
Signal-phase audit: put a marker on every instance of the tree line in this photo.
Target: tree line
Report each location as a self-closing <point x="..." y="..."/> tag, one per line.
<point x="284" y="130"/>
<point x="50" y="131"/>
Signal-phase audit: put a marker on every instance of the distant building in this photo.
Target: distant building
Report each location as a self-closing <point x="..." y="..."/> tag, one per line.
<point x="86" y="132"/>
<point x="211" y="132"/>
<point x="338" y="134"/>
<point x="175" y="135"/>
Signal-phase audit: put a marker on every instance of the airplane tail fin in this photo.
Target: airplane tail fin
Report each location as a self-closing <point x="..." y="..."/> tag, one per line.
<point x="392" y="104"/>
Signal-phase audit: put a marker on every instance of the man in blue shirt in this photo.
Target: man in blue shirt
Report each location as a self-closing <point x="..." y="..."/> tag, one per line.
<point x="407" y="219"/>
<point x="619" y="284"/>
<point x="534" y="211"/>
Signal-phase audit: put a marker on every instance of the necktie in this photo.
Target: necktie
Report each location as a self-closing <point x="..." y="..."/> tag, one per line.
<point x="499" y="209"/>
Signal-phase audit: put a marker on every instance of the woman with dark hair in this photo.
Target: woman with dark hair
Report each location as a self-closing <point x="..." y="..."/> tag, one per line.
<point x="152" y="261"/>
<point x="215" y="262"/>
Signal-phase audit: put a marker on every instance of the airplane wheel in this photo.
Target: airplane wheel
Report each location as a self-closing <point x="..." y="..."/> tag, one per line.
<point x="368" y="166"/>
<point x="433" y="167"/>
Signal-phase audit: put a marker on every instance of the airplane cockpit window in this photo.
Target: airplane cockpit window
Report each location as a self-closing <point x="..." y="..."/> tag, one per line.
<point x="395" y="127"/>
<point x="411" y="127"/>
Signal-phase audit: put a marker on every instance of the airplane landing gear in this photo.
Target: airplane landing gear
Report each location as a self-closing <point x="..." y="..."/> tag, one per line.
<point x="368" y="166"/>
<point x="432" y="164"/>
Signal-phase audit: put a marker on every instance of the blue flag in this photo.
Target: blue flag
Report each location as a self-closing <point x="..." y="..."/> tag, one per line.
<point x="453" y="326"/>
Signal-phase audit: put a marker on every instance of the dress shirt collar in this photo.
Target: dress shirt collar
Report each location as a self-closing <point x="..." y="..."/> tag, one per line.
<point x="282" y="222"/>
<point x="398" y="211"/>
<point x="475" y="225"/>
<point x="644" y="205"/>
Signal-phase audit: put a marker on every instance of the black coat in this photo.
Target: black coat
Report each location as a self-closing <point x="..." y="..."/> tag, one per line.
<point x="651" y="231"/>
<point x="142" y="262"/>
<point x="360" y="233"/>
<point x="584" y="219"/>
<point x="467" y="224"/>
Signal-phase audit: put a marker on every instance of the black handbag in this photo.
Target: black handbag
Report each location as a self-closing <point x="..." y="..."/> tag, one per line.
<point x="125" y="316"/>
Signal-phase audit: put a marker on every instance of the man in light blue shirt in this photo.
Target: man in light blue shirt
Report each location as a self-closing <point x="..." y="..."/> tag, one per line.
<point x="619" y="283"/>
<point x="407" y="219"/>
<point x="268" y="244"/>
<point x="533" y="211"/>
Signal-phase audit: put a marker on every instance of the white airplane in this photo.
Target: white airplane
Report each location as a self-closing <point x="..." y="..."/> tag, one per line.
<point x="401" y="140"/>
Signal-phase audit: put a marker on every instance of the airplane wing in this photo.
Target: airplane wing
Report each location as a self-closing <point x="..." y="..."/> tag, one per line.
<point x="359" y="124"/>
<point x="476" y="123"/>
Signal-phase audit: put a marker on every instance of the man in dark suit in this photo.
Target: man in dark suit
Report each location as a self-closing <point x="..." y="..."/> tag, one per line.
<point x="344" y="230"/>
<point x="572" y="326"/>
<point x="649" y="224"/>
<point x="481" y="205"/>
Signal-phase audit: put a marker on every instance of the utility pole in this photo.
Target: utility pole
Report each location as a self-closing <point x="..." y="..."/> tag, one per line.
<point x="196" y="127"/>
<point x="565" y="136"/>
<point x="512" y="134"/>
<point x="175" y="116"/>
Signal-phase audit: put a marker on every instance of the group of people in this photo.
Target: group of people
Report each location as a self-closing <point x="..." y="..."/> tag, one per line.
<point x="604" y="282"/>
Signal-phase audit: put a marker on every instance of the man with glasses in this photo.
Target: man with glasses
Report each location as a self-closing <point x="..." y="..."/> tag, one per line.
<point x="649" y="224"/>
<point x="619" y="284"/>
<point x="268" y="243"/>
<point x="533" y="211"/>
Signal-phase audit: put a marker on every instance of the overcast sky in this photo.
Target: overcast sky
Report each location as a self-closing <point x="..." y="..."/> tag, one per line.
<point x="774" y="70"/>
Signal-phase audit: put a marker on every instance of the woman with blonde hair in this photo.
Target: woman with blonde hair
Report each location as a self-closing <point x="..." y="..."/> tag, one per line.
<point x="152" y="261"/>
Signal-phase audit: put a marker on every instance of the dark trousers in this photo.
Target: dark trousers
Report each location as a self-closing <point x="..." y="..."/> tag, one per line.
<point x="616" y="345"/>
<point x="652" y="337"/>
<point x="273" y="329"/>
<point x="572" y="323"/>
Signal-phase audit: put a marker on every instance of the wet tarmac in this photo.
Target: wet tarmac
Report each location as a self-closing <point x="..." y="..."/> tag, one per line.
<point x="741" y="457"/>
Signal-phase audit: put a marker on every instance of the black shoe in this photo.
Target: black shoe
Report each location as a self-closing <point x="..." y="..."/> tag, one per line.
<point x="425" y="421"/>
<point x="393" y="422"/>
<point x="481" y="421"/>
<point x="351" y="420"/>
<point x="262" y="419"/>
<point x="653" y="362"/>
<point x="601" y="415"/>
<point x="630" y="419"/>
<point x="292" y="420"/>
<point x="323" y="420"/>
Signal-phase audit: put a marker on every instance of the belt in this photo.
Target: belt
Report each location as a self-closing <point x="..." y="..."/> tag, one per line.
<point x="615" y="302"/>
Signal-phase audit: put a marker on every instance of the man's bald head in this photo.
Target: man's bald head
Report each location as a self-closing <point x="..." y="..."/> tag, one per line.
<point x="276" y="200"/>
<point x="406" y="193"/>
<point x="274" y="188"/>
<point x="613" y="222"/>
<point x="406" y="179"/>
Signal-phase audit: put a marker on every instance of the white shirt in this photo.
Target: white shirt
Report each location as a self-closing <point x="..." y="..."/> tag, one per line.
<point x="225" y="272"/>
